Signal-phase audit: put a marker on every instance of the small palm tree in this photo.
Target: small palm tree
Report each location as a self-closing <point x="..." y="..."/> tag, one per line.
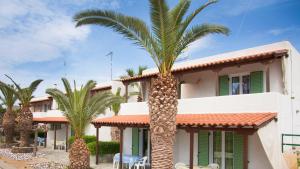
<point x="80" y="108"/>
<point x="115" y="107"/>
<point x="171" y="34"/>
<point x="140" y="85"/>
<point x="8" y="122"/>
<point x="25" y="118"/>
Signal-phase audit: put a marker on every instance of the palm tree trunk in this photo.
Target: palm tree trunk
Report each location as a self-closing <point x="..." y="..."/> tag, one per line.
<point x="79" y="155"/>
<point x="25" y="126"/>
<point x="115" y="134"/>
<point x="163" y="109"/>
<point x="8" y="126"/>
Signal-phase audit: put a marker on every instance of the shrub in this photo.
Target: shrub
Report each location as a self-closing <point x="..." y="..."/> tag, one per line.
<point x="87" y="139"/>
<point x="105" y="147"/>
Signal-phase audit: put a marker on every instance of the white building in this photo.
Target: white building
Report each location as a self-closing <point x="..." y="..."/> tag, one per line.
<point x="240" y="103"/>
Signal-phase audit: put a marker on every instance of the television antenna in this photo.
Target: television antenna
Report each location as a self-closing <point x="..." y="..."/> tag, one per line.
<point x="110" y="54"/>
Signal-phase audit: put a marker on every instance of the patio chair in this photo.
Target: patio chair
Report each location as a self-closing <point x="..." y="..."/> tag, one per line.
<point x="115" y="162"/>
<point x="141" y="163"/>
<point x="180" y="166"/>
<point x="214" y="166"/>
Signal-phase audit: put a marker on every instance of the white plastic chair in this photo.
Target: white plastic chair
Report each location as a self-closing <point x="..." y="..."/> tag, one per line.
<point x="214" y="166"/>
<point x="115" y="163"/>
<point x="141" y="163"/>
<point x="180" y="166"/>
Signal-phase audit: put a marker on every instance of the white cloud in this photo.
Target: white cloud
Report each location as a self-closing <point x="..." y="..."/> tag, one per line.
<point x="31" y="31"/>
<point x="279" y="31"/>
<point x="200" y="44"/>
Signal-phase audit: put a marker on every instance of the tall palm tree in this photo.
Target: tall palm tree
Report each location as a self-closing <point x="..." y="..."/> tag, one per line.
<point x="25" y="118"/>
<point x="8" y="122"/>
<point x="170" y="34"/>
<point x="80" y="108"/>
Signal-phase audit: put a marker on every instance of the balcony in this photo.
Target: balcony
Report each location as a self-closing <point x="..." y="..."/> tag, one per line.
<point x="261" y="102"/>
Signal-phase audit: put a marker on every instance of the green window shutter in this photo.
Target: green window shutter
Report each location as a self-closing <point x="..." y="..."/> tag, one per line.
<point x="135" y="141"/>
<point x="203" y="148"/>
<point x="256" y="82"/>
<point x="238" y="151"/>
<point x="224" y="85"/>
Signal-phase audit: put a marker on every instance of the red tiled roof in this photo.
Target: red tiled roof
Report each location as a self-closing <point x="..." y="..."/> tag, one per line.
<point x="97" y="88"/>
<point x="211" y="64"/>
<point x="50" y="119"/>
<point x="245" y="120"/>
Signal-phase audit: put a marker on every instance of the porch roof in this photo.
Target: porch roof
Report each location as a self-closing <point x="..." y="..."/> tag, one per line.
<point x="209" y="121"/>
<point x="50" y="120"/>
<point x="216" y="63"/>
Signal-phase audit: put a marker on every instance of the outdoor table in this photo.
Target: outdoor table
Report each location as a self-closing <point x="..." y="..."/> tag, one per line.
<point x="127" y="159"/>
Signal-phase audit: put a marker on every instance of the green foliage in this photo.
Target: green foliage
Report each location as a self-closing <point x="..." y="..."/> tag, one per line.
<point x="23" y="94"/>
<point x="79" y="106"/>
<point x="117" y="105"/>
<point x="87" y="139"/>
<point x="167" y="37"/>
<point x="8" y="97"/>
<point x="105" y="147"/>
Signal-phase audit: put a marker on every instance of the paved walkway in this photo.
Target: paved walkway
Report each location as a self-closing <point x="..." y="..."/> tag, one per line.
<point x="3" y="165"/>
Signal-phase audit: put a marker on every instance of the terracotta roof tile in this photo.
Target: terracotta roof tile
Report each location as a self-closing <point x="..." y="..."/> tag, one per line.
<point x="208" y="64"/>
<point x="252" y="120"/>
<point x="50" y="119"/>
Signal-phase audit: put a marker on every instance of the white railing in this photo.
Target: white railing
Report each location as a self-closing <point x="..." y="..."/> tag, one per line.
<point x="261" y="102"/>
<point x="49" y="113"/>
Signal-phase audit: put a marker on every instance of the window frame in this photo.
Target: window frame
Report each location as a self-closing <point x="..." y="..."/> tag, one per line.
<point x="240" y="75"/>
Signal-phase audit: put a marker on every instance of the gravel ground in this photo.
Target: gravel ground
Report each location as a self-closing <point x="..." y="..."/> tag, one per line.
<point x="19" y="156"/>
<point x="46" y="159"/>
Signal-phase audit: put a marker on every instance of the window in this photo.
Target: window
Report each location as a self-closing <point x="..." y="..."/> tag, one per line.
<point x="58" y="126"/>
<point x="217" y="147"/>
<point x="240" y="84"/>
<point x="228" y="150"/>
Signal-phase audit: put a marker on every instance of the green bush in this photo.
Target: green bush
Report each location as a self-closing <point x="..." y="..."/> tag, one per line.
<point x="87" y="139"/>
<point x="105" y="147"/>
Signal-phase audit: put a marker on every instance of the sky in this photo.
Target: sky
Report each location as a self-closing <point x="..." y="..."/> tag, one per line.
<point x="39" y="40"/>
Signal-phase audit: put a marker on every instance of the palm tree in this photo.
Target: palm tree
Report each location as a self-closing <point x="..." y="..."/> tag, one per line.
<point x="140" y="85"/>
<point x="115" y="107"/>
<point x="80" y="108"/>
<point x="170" y="34"/>
<point x="8" y="122"/>
<point x="25" y="118"/>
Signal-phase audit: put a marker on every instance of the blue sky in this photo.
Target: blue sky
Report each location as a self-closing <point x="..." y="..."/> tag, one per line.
<point x="39" y="40"/>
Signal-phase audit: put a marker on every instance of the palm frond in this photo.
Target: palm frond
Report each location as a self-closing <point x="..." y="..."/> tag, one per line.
<point x="179" y="11"/>
<point x="130" y="72"/>
<point x="141" y="69"/>
<point x="189" y="18"/>
<point x="130" y="27"/>
<point x="33" y="86"/>
<point x="198" y="32"/>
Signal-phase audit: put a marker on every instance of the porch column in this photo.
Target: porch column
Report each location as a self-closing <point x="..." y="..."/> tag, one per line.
<point x="67" y="136"/>
<point x="45" y="145"/>
<point x="97" y="145"/>
<point x="126" y="92"/>
<point x="191" y="148"/>
<point x="245" y="155"/>
<point x="121" y="148"/>
<point x="54" y="136"/>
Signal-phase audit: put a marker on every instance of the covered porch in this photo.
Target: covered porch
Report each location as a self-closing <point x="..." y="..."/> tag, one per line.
<point x="56" y="124"/>
<point x="211" y="130"/>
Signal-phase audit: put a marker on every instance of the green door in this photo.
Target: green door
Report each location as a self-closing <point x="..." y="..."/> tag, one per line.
<point x="135" y="141"/>
<point x="203" y="148"/>
<point x="217" y="147"/>
<point x="238" y="151"/>
<point x="256" y="82"/>
<point x="224" y="85"/>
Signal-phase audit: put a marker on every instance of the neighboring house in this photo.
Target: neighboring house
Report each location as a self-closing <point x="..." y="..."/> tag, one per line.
<point x="45" y="110"/>
<point x="237" y="104"/>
